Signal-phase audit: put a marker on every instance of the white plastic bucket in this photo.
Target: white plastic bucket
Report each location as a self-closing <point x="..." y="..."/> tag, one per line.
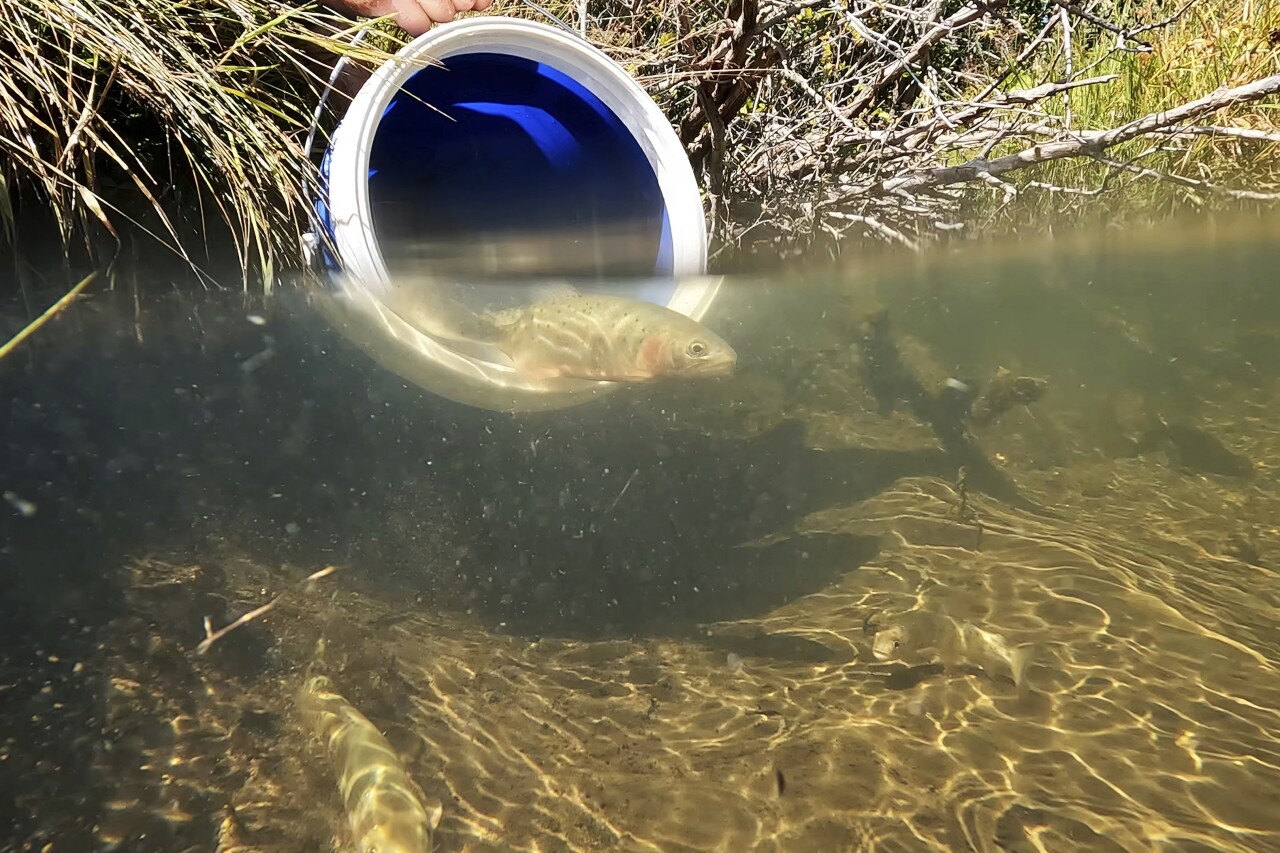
<point x="482" y="125"/>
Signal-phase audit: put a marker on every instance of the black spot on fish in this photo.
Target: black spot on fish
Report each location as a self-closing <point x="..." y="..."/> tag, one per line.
<point x="905" y="679"/>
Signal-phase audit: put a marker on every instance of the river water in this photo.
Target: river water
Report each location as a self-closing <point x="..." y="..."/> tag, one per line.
<point x="649" y="623"/>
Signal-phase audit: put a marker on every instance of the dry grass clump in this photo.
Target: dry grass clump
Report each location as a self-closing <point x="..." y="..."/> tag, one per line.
<point x="180" y="121"/>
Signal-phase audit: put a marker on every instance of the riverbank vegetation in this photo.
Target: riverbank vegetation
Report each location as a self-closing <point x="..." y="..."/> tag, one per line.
<point x="1228" y="160"/>
<point x="153" y="125"/>
<point x="817" y="124"/>
<point x="151" y="130"/>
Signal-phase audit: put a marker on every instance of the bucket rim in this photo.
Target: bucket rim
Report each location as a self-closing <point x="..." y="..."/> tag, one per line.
<point x="364" y="276"/>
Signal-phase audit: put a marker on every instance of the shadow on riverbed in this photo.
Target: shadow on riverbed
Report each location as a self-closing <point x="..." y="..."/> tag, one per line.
<point x="582" y="534"/>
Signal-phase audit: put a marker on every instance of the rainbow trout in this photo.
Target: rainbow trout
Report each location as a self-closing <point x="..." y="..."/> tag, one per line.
<point x="384" y="810"/>
<point x="917" y="636"/>
<point x="571" y="335"/>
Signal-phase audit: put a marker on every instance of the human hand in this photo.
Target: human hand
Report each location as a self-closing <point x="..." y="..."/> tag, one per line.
<point x="415" y="16"/>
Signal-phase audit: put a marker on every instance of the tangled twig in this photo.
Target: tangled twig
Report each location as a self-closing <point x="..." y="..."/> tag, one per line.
<point x="808" y="121"/>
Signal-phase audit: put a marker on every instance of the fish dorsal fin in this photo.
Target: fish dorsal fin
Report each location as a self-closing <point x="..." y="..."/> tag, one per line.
<point x="553" y="291"/>
<point x="504" y="319"/>
<point x="557" y="290"/>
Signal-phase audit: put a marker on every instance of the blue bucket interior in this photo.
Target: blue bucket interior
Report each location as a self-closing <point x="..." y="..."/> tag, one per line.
<point x="492" y="143"/>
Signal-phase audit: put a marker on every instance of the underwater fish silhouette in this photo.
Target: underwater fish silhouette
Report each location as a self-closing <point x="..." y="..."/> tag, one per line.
<point x="384" y="808"/>
<point x="918" y="636"/>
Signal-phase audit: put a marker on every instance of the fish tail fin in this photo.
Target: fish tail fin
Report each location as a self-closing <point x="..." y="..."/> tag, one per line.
<point x="1019" y="662"/>
<point x="1154" y="435"/>
<point x="478" y="335"/>
<point x="318" y="664"/>
<point x="429" y="307"/>
<point x="450" y="320"/>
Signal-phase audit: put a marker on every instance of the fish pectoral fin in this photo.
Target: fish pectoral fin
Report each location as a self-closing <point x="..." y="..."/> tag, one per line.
<point x="484" y="352"/>
<point x="541" y="373"/>
<point x="1019" y="662"/>
<point x="498" y="322"/>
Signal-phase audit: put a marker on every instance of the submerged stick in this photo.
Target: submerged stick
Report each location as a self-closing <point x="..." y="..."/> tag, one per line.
<point x="212" y="636"/>
<point x="14" y="342"/>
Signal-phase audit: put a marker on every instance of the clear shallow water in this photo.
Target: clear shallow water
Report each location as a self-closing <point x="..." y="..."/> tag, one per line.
<point x="620" y="626"/>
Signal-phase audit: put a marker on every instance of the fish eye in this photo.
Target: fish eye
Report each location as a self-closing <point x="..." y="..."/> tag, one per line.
<point x="697" y="349"/>
<point x="897" y="644"/>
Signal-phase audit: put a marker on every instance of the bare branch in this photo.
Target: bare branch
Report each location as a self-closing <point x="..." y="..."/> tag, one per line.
<point x="966" y="16"/>
<point x="1099" y="22"/>
<point x="1182" y="180"/>
<point x="1172" y="19"/>
<point x="1214" y="130"/>
<point x="1082" y="144"/>
<point x="1016" y="97"/>
<point x="1214" y="101"/>
<point x="1046" y="90"/>
<point x="873" y="224"/>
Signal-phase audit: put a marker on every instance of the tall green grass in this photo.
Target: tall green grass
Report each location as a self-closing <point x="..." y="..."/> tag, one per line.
<point x="1215" y="43"/>
<point x="163" y="126"/>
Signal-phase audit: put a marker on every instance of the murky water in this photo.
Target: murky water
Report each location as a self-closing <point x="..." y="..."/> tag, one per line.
<point x="647" y="623"/>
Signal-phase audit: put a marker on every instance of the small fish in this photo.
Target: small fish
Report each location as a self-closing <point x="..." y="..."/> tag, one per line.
<point x="384" y="810"/>
<point x="919" y="637"/>
<point x="571" y="335"/>
<point x="984" y="648"/>
<point x="23" y="507"/>
<point x="1194" y="449"/>
<point x="1003" y="392"/>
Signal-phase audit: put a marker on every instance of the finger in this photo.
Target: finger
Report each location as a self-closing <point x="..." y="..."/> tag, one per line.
<point x="440" y="11"/>
<point x="480" y="5"/>
<point x="411" y="17"/>
<point x="463" y="5"/>
<point x="365" y="8"/>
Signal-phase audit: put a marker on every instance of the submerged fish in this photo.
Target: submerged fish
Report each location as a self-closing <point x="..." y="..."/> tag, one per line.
<point x="384" y="810"/>
<point x="1003" y="392"/>
<point x="1194" y="449"/>
<point x="581" y="336"/>
<point x="920" y="637"/>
